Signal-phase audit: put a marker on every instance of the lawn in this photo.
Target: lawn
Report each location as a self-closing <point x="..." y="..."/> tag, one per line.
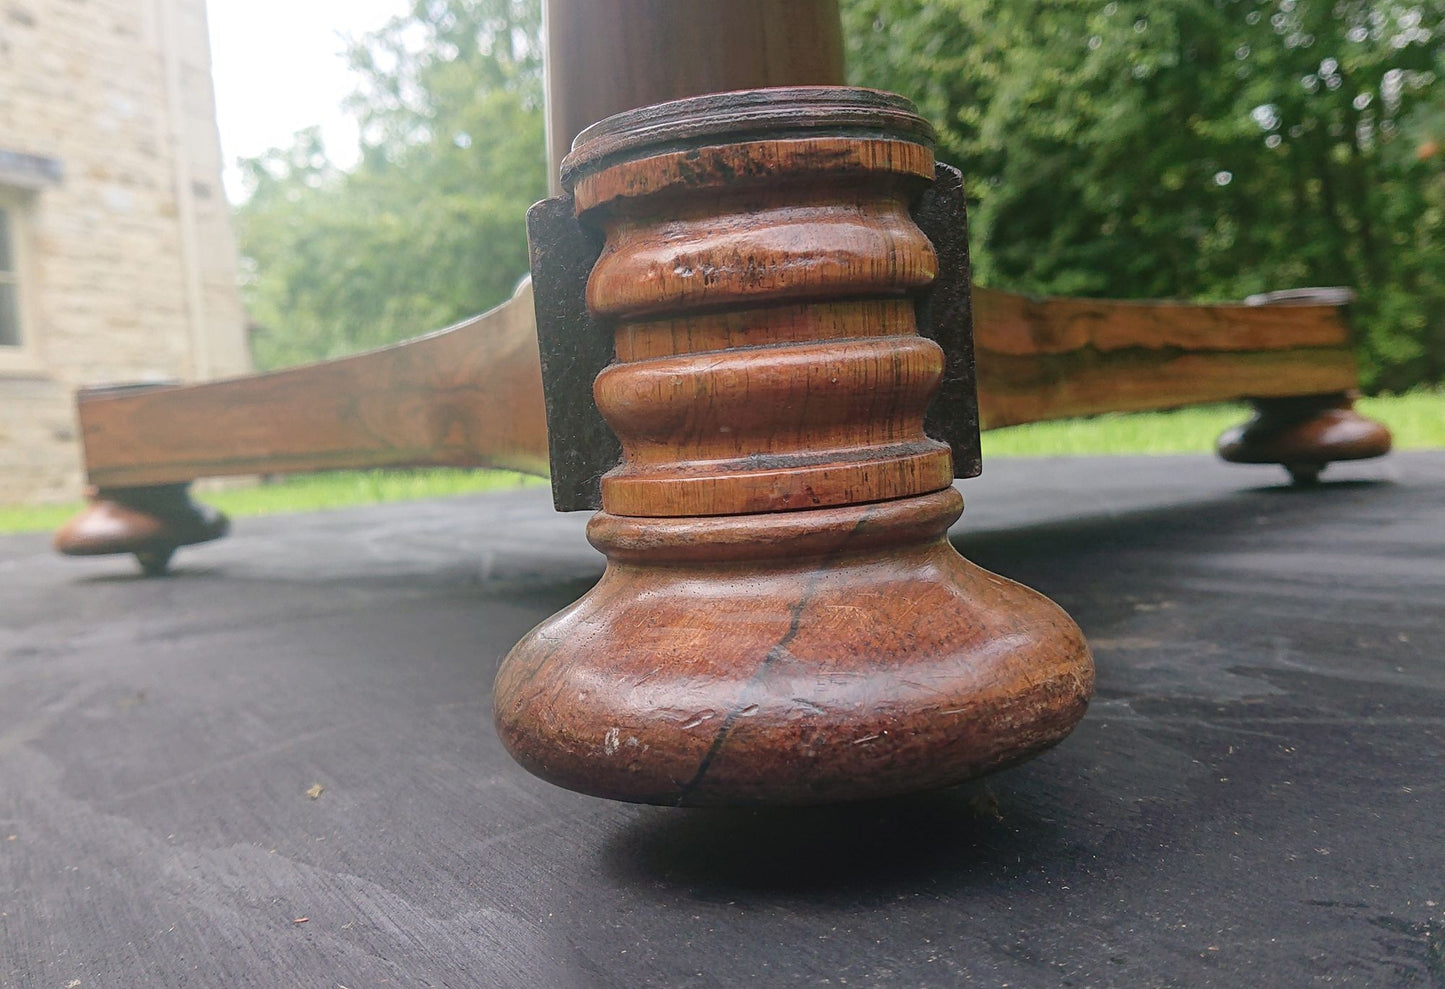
<point x="305" y="493"/>
<point x="1417" y="419"/>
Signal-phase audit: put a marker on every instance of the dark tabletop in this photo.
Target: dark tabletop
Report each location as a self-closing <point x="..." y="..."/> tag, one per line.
<point x="1256" y="796"/>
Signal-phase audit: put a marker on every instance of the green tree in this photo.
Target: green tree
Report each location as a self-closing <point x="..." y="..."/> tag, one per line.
<point x="428" y="227"/>
<point x="1191" y="148"/>
<point x="1194" y="148"/>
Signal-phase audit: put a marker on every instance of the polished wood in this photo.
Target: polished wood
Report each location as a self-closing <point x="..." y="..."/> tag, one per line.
<point x="1300" y="430"/>
<point x="1039" y="359"/>
<point x="1032" y="366"/>
<point x="606" y="56"/>
<point x="468" y="396"/>
<point x="579" y="349"/>
<point x="149" y="522"/>
<point x="1304" y="435"/>
<point x="1014" y="325"/>
<point x="718" y="430"/>
<point x="1051" y="358"/>
<point x="782" y="619"/>
<point x="792" y="657"/>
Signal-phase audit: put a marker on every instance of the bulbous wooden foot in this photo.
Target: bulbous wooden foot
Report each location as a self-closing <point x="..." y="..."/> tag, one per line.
<point x="1304" y="435"/>
<point x="790" y="658"/>
<point x="149" y="522"/>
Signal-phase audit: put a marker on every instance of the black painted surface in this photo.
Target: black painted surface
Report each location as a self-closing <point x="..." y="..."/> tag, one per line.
<point x="945" y="316"/>
<point x="574" y="349"/>
<point x="1256" y="797"/>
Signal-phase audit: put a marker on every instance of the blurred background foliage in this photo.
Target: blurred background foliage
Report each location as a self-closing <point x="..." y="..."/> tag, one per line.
<point x="427" y="229"/>
<point x="1204" y="149"/>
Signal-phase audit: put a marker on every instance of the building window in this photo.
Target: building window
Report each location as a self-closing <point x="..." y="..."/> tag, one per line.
<point x="23" y="179"/>
<point x="11" y="334"/>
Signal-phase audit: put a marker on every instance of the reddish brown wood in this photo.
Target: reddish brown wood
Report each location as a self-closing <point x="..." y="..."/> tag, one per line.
<point x="408" y="405"/>
<point x="326" y="416"/>
<point x="1049" y="358"/>
<point x="1031" y="389"/>
<point x="795" y="657"/>
<point x="468" y="396"/>
<point x="1304" y="435"/>
<point x="606" y="56"/>
<point x="1023" y="325"/>
<point x="721" y="431"/>
<point x="151" y="522"/>
<point x="1304" y="432"/>
<point x="782" y="618"/>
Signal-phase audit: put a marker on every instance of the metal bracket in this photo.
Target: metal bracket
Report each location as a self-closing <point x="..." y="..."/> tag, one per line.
<point x="575" y="349"/>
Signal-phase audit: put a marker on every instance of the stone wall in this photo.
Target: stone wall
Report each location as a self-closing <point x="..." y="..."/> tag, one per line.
<point x="130" y="262"/>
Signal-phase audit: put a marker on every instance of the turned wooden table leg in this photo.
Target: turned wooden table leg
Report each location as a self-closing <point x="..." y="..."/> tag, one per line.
<point x="1304" y="434"/>
<point x="782" y="618"/>
<point x="149" y="522"/>
<point x="466" y="396"/>
<point x="150" y="519"/>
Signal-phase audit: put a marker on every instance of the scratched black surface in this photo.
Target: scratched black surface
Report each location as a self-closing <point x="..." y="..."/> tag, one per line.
<point x="574" y="349"/>
<point x="1256" y="797"/>
<point x="945" y="316"/>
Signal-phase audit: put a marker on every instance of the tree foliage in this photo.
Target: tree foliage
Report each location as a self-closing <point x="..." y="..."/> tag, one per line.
<point x="1191" y="148"/>
<point x="1194" y="148"/>
<point x="427" y="228"/>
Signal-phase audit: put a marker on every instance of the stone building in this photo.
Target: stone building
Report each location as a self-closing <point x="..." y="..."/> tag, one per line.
<point x="117" y="258"/>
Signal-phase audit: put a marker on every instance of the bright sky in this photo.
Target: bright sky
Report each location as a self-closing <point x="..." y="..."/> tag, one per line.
<point x="278" y="68"/>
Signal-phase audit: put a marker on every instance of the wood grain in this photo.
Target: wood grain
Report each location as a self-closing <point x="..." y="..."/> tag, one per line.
<point x="1304" y="435"/>
<point x="782" y="619"/>
<point x="468" y="396"/>
<point x="1051" y="358"/>
<point x="1013" y="324"/>
<point x="707" y="248"/>
<point x="790" y="658"/>
<point x="1015" y="390"/>
<point x="606" y="56"/>
<point x="410" y="405"/>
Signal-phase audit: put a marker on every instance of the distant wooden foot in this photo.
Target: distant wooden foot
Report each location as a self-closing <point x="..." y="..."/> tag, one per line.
<point x="150" y="522"/>
<point x="1304" y="434"/>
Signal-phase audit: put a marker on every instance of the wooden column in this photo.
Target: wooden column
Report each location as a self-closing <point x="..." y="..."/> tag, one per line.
<point x="783" y="619"/>
<point x="606" y="56"/>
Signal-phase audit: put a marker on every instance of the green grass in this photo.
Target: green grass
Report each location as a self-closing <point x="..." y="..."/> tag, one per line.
<point x="34" y="518"/>
<point x="306" y="493"/>
<point x="1417" y="419"/>
<point x="341" y="489"/>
